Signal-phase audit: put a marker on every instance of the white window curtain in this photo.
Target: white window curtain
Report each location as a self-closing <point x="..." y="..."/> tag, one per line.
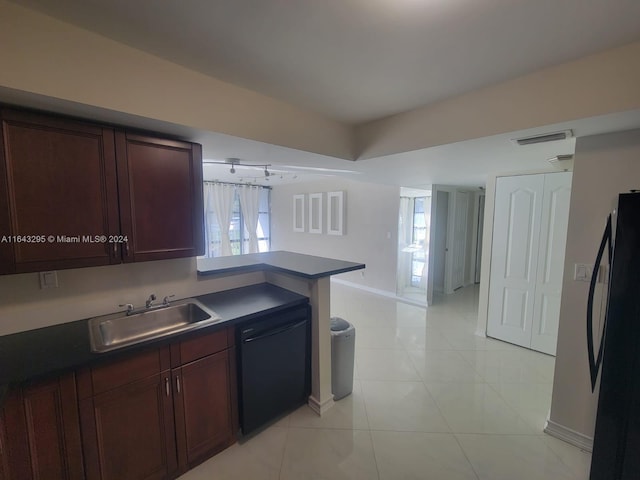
<point x="219" y="201"/>
<point x="250" y="204"/>
<point x="425" y="245"/>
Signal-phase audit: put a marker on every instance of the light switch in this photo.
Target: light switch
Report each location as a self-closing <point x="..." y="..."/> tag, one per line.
<point x="582" y="272"/>
<point x="48" y="280"/>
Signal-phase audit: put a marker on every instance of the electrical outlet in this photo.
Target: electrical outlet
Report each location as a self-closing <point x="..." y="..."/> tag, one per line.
<point x="582" y="272"/>
<point x="48" y="280"/>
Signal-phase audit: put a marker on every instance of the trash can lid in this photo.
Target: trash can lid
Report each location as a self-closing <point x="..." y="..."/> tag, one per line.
<point x="339" y="324"/>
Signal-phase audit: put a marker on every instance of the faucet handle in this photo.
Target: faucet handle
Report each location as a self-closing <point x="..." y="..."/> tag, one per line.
<point x="128" y="305"/>
<point x="165" y="300"/>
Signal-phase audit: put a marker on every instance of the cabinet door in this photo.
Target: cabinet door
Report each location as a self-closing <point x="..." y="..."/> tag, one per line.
<point x="203" y="408"/>
<point x="161" y="205"/>
<point x="4" y="475"/>
<point x="128" y="432"/>
<point x="43" y="432"/>
<point x="59" y="182"/>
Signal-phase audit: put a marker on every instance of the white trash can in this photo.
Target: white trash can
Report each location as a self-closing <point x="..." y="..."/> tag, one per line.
<point x="343" y="342"/>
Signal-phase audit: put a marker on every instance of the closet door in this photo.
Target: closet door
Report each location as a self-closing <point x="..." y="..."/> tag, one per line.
<point x="514" y="258"/>
<point x="553" y="239"/>
<point x="460" y="240"/>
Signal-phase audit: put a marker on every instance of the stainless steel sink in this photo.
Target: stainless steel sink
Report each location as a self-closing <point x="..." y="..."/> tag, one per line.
<point x="118" y="330"/>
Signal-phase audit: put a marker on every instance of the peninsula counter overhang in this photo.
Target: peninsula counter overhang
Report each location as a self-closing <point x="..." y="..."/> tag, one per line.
<point x="306" y="266"/>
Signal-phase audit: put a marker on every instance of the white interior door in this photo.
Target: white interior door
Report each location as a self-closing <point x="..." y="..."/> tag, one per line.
<point x="518" y="205"/>
<point x="553" y="239"/>
<point x="438" y="234"/>
<point x="479" y="234"/>
<point x="459" y="241"/>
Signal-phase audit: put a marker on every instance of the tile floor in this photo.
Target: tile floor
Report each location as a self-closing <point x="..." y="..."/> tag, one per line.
<point x="431" y="400"/>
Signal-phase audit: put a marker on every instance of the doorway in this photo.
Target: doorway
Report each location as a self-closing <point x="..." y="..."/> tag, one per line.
<point x="413" y="245"/>
<point x="440" y="249"/>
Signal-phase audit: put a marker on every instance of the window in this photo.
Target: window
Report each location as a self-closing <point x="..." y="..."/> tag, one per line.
<point x="238" y="233"/>
<point x="418" y="258"/>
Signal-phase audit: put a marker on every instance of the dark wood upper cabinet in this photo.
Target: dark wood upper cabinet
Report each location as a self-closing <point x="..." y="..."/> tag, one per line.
<point x="58" y="179"/>
<point x="161" y="207"/>
<point x="75" y="194"/>
<point x="42" y="432"/>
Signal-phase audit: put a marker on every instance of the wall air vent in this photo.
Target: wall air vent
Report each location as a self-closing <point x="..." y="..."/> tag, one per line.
<point x="546" y="137"/>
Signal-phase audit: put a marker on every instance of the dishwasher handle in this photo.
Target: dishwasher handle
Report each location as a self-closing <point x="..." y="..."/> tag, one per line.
<point x="277" y="331"/>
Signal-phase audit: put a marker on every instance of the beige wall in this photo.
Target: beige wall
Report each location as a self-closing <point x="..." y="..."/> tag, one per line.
<point x="595" y="85"/>
<point x="88" y="292"/>
<point x="604" y="166"/>
<point x="371" y="229"/>
<point x="48" y="57"/>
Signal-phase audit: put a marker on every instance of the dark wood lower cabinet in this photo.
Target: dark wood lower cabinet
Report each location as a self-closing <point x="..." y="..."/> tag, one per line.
<point x="142" y="420"/>
<point x="42" y="432"/>
<point x="202" y="409"/>
<point x="129" y="431"/>
<point x="149" y="416"/>
<point x="3" y="456"/>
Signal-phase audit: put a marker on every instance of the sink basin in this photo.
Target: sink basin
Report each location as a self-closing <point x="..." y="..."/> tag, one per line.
<point x="118" y="330"/>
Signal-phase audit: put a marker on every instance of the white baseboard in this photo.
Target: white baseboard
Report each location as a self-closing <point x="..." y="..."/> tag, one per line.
<point x="318" y="407"/>
<point x="377" y="291"/>
<point x="561" y="432"/>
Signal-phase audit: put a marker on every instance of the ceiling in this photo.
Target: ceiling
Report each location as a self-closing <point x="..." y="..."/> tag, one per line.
<point x="465" y="163"/>
<point x="358" y="60"/>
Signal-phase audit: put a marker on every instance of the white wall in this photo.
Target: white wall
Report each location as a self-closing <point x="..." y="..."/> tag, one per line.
<point x="45" y="56"/>
<point x="604" y="166"/>
<point x="88" y="292"/>
<point x="371" y="229"/>
<point x="598" y="84"/>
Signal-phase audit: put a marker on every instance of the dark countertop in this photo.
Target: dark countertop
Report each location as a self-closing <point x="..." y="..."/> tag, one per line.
<point x="37" y="353"/>
<point x="307" y="266"/>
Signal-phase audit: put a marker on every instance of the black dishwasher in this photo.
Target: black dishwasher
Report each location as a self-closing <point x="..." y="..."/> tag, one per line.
<point x="274" y="366"/>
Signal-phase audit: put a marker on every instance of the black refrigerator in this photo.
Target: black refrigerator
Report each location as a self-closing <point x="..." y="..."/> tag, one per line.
<point x="616" y="442"/>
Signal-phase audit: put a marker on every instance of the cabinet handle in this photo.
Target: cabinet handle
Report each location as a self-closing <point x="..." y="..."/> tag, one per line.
<point x="126" y="248"/>
<point x="166" y="386"/>
<point x="178" y="384"/>
<point x="115" y="249"/>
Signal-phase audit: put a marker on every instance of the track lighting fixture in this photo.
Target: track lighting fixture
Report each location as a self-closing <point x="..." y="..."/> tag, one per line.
<point x="235" y="162"/>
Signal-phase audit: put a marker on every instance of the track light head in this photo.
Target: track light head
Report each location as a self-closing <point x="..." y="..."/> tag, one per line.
<point x="233" y="170"/>
<point x="266" y="172"/>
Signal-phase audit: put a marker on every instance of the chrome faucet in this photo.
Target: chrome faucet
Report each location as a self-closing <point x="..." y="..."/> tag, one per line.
<point x="150" y="300"/>
<point x="148" y="305"/>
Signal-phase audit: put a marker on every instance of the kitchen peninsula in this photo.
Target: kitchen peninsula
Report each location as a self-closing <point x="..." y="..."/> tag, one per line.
<point x="52" y="371"/>
<point x="309" y="276"/>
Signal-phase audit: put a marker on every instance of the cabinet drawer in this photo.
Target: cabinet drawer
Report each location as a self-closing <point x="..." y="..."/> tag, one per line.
<point x="130" y="369"/>
<point x="202" y="345"/>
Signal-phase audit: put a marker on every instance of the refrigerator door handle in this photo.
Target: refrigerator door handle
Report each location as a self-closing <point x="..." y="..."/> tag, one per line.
<point x="594" y="362"/>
